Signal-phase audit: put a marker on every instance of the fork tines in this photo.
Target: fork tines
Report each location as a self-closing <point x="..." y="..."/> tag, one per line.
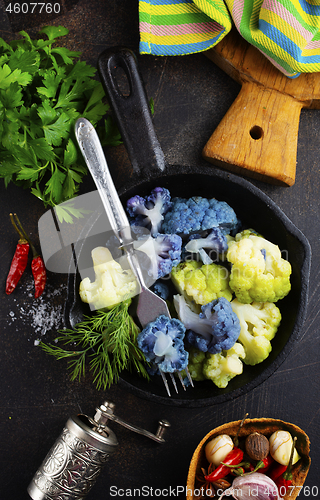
<point x="164" y="378"/>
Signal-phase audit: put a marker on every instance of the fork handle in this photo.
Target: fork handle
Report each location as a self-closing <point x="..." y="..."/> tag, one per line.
<point x="92" y="151"/>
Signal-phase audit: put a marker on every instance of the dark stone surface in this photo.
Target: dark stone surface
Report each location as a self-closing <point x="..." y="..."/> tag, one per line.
<point x="191" y="96"/>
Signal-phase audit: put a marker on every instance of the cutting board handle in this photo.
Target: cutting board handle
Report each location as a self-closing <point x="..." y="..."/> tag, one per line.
<point x="259" y="133"/>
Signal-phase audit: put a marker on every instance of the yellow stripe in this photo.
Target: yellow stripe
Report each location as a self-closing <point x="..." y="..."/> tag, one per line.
<point x="285" y="28"/>
<point x="220" y="15"/>
<point x="160" y="10"/>
<point x="308" y="18"/>
<point x="254" y="18"/>
<point x="309" y="53"/>
<point x="175" y="39"/>
<point x="275" y="49"/>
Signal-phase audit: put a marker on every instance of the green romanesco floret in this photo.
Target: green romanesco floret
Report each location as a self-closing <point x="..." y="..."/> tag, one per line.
<point x="259" y="323"/>
<point x="201" y="284"/>
<point x="112" y="284"/>
<point x="224" y="366"/>
<point x="258" y="273"/>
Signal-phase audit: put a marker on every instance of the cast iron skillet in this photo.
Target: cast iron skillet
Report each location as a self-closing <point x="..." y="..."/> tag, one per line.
<point x="252" y="206"/>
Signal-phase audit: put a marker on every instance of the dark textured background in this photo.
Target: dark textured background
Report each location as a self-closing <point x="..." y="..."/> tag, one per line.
<point x="191" y="96"/>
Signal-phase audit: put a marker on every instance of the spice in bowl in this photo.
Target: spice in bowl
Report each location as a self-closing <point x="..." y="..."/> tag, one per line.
<point x="268" y="456"/>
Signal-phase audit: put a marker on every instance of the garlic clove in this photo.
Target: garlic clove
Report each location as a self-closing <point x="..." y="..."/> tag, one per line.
<point x="218" y="448"/>
<point x="280" y="447"/>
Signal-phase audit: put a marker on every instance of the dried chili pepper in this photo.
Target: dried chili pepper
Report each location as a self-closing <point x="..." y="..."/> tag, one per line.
<point x="19" y="261"/>
<point x="234" y="457"/>
<point x="285" y="480"/>
<point x="39" y="275"/>
<point x="37" y="266"/>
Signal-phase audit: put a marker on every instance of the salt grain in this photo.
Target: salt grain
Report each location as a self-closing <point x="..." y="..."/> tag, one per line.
<point x="39" y="315"/>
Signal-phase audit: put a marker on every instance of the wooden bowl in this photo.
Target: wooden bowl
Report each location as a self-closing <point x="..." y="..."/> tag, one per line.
<point x="265" y="426"/>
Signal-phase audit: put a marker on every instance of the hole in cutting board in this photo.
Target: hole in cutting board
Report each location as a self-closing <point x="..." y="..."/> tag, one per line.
<point x="256" y="133"/>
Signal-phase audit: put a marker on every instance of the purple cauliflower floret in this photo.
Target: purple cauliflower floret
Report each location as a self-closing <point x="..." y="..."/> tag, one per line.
<point x="215" y="329"/>
<point x="149" y="211"/>
<point x="199" y="214"/>
<point x="161" y="341"/>
<point x="164" y="252"/>
<point x="216" y="242"/>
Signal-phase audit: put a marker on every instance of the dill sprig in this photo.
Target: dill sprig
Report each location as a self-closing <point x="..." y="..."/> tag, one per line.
<point x="107" y="339"/>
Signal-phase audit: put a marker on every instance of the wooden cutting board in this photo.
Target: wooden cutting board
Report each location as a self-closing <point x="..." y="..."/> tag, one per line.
<point x="258" y="136"/>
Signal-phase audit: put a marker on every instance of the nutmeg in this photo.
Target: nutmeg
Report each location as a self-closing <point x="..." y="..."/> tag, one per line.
<point x="257" y="446"/>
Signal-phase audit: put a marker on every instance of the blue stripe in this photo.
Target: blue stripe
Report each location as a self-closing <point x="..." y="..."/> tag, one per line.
<point x="178" y="50"/>
<point x="286" y="44"/>
<point x="167" y="2"/>
<point x="313" y="10"/>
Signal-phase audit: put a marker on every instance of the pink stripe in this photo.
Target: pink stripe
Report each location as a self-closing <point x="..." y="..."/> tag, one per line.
<point x="282" y="12"/>
<point x="237" y="12"/>
<point x="313" y="45"/>
<point x="182" y="29"/>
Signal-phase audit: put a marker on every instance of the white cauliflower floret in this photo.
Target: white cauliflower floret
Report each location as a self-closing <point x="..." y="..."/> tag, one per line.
<point x="112" y="283"/>
<point x="258" y="273"/>
<point x="224" y="366"/>
<point x="259" y="323"/>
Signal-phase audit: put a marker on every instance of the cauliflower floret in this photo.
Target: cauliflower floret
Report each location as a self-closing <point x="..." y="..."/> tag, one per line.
<point x="224" y="366"/>
<point x="161" y="341"/>
<point x="198" y="214"/>
<point x="112" y="283"/>
<point x="195" y="364"/>
<point x="213" y="244"/>
<point x="163" y="251"/>
<point x="149" y="211"/>
<point x="215" y="329"/>
<point x="259" y="323"/>
<point x="258" y="273"/>
<point x="200" y="283"/>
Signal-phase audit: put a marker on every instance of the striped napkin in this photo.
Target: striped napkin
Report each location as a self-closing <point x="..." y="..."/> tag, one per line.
<point x="287" y="32"/>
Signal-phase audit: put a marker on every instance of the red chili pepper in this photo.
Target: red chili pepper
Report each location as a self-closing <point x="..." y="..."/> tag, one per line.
<point x="19" y="262"/>
<point x="283" y="482"/>
<point x="283" y="485"/>
<point x="267" y="462"/>
<point x="234" y="457"/>
<point x="37" y="266"/>
<point x="39" y="275"/>
<point x="277" y="471"/>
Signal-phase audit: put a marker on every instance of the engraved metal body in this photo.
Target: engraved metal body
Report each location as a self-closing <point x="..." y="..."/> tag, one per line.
<point x="73" y="464"/>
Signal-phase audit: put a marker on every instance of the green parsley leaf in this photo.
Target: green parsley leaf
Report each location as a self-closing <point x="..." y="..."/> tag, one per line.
<point x="53" y="32"/>
<point x="70" y="154"/>
<point x="66" y="54"/>
<point x="25" y="61"/>
<point x="54" y="186"/>
<point x="57" y="131"/>
<point x="41" y="149"/>
<point x="7" y="77"/>
<point x="66" y="211"/>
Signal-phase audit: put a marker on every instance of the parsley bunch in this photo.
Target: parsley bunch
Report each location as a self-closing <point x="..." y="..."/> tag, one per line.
<point x="43" y="90"/>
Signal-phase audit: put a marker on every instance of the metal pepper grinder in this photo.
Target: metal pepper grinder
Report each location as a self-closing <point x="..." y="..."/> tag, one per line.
<point x="73" y="464"/>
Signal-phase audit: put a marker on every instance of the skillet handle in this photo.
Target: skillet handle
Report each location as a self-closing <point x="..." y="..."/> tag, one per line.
<point x="132" y="112"/>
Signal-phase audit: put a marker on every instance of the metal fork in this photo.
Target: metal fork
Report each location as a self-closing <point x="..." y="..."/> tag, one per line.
<point x="150" y="305"/>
